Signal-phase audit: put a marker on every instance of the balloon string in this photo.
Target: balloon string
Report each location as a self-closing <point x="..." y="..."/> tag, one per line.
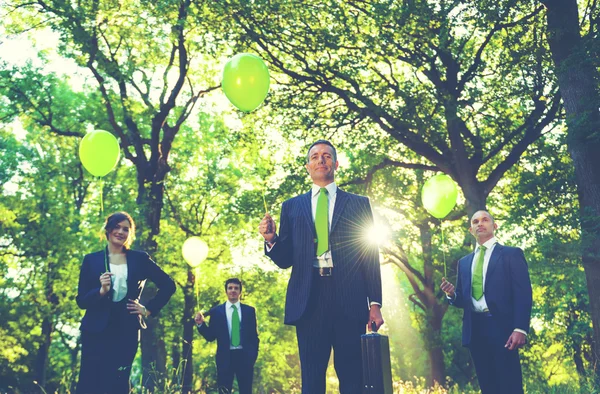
<point x="196" y="286"/>
<point x="444" y="250"/>
<point x="265" y="202"/>
<point x="101" y="200"/>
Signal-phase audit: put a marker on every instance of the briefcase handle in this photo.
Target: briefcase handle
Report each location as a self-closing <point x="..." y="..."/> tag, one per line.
<point x="373" y="327"/>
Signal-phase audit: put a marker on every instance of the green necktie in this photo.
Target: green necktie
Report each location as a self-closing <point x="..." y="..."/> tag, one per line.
<point x="477" y="283"/>
<point x="235" y="327"/>
<point x="322" y="222"/>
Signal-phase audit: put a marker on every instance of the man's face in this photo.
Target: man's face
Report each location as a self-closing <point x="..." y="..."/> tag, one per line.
<point x="321" y="166"/>
<point x="482" y="226"/>
<point x="233" y="292"/>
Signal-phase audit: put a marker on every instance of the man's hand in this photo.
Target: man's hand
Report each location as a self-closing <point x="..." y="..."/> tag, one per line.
<point x="267" y="228"/>
<point x="516" y="340"/>
<point x="447" y="288"/>
<point x="375" y="316"/>
<point x="199" y="318"/>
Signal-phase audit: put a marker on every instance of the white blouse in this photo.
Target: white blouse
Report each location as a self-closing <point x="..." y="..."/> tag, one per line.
<point x="119" y="280"/>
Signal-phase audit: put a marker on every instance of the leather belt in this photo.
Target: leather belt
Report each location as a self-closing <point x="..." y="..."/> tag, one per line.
<point x="485" y="313"/>
<point x="324" y="271"/>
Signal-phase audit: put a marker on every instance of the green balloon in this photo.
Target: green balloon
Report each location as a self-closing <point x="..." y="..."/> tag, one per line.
<point x="246" y="81"/>
<point x="439" y="195"/>
<point x="99" y="152"/>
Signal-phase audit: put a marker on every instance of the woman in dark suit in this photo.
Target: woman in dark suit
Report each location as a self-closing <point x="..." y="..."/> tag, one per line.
<point x="110" y="284"/>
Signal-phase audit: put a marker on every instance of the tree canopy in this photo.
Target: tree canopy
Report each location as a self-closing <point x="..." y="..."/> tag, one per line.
<point x="404" y="89"/>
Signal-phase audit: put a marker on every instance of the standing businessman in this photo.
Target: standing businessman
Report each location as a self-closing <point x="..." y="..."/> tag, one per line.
<point x="233" y="325"/>
<point x="335" y="286"/>
<point x="494" y="289"/>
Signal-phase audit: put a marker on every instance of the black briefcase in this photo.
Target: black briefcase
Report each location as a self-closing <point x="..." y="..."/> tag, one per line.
<point x="377" y="369"/>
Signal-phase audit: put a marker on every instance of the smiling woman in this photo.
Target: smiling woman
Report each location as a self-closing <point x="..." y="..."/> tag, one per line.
<point x="110" y="285"/>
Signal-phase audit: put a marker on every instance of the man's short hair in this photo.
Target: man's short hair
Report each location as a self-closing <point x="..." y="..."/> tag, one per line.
<point x="483" y="210"/>
<point x="235" y="281"/>
<point x="319" y="142"/>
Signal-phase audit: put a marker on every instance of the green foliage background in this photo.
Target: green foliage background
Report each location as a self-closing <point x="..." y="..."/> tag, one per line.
<point x="358" y="73"/>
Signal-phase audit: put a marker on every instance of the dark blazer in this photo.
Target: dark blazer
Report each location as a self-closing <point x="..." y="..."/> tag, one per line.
<point x="139" y="268"/>
<point x="217" y="329"/>
<point x="356" y="272"/>
<point x="507" y="290"/>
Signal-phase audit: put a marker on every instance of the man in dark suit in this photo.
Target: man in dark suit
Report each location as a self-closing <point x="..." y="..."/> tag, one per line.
<point x="494" y="289"/>
<point x="335" y="285"/>
<point x="233" y="325"/>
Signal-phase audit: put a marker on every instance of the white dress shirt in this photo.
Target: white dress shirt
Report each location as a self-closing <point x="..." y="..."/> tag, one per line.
<point x="326" y="261"/>
<point x="481" y="305"/>
<point x="331" y="194"/>
<point x="119" y="281"/>
<point x="229" y="313"/>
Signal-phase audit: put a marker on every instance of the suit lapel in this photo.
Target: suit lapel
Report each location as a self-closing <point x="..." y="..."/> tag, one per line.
<point x="100" y="262"/>
<point x="341" y="199"/>
<point x="132" y="267"/>
<point x="305" y="201"/>
<point x="243" y="322"/>
<point x="493" y="263"/>
<point x="223" y="311"/>
<point x="466" y="279"/>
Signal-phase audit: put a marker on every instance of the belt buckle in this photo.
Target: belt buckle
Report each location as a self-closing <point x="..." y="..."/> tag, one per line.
<point x="325" y="271"/>
<point x="485" y="313"/>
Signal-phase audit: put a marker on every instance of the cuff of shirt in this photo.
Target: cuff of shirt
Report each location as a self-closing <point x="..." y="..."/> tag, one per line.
<point x="269" y="246"/>
<point x="374" y="303"/>
<point x="521" y="331"/>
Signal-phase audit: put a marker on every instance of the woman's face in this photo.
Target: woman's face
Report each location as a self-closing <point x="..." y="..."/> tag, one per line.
<point x="119" y="235"/>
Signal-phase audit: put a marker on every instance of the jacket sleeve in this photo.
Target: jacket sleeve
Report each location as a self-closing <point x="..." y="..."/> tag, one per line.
<point x="164" y="283"/>
<point x="88" y="290"/>
<point x="283" y="251"/>
<point x="373" y="267"/>
<point x="255" y="325"/>
<point x="458" y="300"/>
<point x="521" y="290"/>
<point x="206" y="330"/>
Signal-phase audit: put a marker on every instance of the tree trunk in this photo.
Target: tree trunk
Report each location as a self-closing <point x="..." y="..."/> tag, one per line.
<point x="175" y="359"/>
<point x="436" y="353"/>
<point x="154" y="353"/>
<point x="41" y="359"/>
<point x="434" y="312"/>
<point x="475" y="196"/>
<point x="577" y="80"/>
<point x="154" y="356"/>
<point x="188" y="333"/>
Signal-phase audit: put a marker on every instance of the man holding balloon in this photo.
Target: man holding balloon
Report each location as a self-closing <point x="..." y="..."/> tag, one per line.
<point x="233" y="325"/>
<point x="494" y="289"/>
<point x="335" y="285"/>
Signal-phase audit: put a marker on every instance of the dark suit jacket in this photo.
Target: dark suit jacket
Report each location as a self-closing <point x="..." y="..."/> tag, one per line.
<point x="356" y="272"/>
<point x="507" y="290"/>
<point x="218" y="329"/>
<point x="139" y="268"/>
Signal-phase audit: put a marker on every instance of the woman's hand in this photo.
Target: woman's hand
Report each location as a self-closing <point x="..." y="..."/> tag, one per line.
<point x="105" y="283"/>
<point x="135" y="308"/>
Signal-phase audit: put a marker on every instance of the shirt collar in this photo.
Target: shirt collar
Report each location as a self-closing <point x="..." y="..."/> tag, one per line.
<point x="331" y="189"/>
<point x="488" y="244"/>
<point x="237" y="305"/>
